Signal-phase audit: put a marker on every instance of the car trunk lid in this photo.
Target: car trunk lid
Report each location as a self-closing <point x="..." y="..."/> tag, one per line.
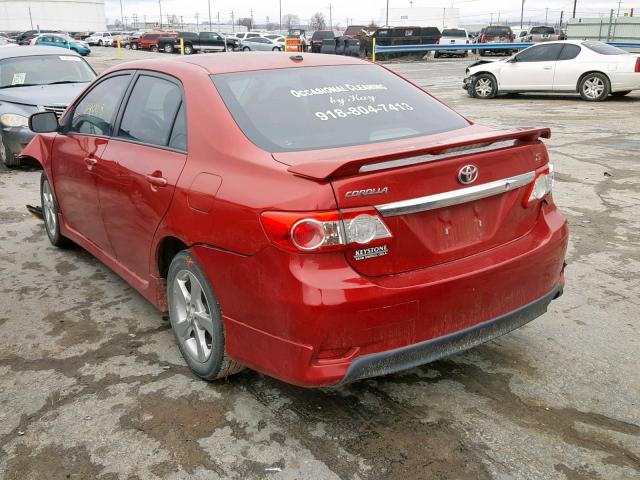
<point x="414" y="185"/>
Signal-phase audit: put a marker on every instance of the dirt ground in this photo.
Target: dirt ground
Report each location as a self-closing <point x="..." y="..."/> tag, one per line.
<point x="92" y="386"/>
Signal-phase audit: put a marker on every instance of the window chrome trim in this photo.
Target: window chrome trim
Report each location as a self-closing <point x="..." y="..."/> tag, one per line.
<point x="455" y="197"/>
<point x="454" y="152"/>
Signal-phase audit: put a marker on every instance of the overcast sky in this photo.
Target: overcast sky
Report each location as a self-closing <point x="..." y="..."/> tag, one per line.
<point x="361" y="11"/>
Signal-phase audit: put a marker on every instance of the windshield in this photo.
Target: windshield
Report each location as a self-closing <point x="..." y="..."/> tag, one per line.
<point x="454" y="32"/>
<point x="542" y="30"/>
<point x="298" y="109"/>
<point x="604" y="49"/>
<point x="44" y="70"/>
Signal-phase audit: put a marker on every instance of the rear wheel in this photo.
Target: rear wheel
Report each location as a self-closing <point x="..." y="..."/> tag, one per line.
<point x="168" y="48"/>
<point x="594" y="87"/>
<point x="188" y="49"/>
<point x="100" y="43"/>
<point x="154" y="48"/>
<point x="484" y="86"/>
<point x="620" y="94"/>
<point x="50" y="214"/>
<point x="245" y="49"/>
<point x="134" y="46"/>
<point x="275" y="49"/>
<point x="196" y="319"/>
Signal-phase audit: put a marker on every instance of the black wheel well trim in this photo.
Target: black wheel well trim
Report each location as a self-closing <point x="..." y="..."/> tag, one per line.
<point x="488" y="73"/>
<point x="589" y="73"/>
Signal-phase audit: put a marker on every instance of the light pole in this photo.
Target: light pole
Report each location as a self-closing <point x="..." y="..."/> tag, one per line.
<point x="209" y="2"/>
<point x="387" y="21"/>
<point x="521" y="14"/>
<point x="160" y="5"/>
<point x="574" y="8"/>
<point x="280" y="16"/>
<point x="122" y="16"/>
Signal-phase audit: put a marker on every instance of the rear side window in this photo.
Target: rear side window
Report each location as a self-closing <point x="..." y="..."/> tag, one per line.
<point x="542" y="30"/>
<point x="298" y="109"/>
<point x="569" y="52"/>
<point x="95" y="113"/>
<point x="151" y="111"/>
<point x="454" y="32"/>
<point x="603" y="48"/>
<point x="498" y="31"/>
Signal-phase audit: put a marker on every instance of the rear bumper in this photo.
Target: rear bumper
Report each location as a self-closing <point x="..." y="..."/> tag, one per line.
<point x="399" y="359"/>
<point x="311" y="320"/>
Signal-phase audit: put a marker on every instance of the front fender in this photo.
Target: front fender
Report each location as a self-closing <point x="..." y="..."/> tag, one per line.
<point x="39" y="149"/>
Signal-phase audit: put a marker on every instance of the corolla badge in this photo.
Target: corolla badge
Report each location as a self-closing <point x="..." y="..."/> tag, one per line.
<point x="367" y="191"/>
<point x="468" y="174"/>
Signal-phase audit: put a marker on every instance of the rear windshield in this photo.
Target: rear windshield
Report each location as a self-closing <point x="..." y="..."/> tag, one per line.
<point x="298" y="109"/>
<point x="542" y="30"/>
<point x="454" y="32"/>
<point x="603" y="48"/>
<point x="497" y="31"/>
<point x="322" y="34"/>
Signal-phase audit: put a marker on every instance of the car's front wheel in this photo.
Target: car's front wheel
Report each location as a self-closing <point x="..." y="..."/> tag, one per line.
<point x="594" y="87"/>
<point x="154" y="48"/>
<point x="100" y="43"/>
<point x="134" y="46"/>
<point x="196" y="319"/>
<point x="245" y="49"/>
<point x="168" y="48"/>
<point x="484" y="86"/>
<point x="50" y="214"/>
<point x="6" y="156"/>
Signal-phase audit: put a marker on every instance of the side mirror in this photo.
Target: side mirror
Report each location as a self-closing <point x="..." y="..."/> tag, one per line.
<point x="513" y="59"/>
<point x="43" y="122"/>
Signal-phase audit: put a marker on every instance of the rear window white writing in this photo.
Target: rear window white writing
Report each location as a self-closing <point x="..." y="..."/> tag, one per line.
<point x="345" y="88"/>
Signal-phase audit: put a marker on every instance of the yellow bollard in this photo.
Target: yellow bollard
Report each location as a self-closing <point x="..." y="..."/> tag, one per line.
<point x="373" y="53"/>
<point x="119" y="47"/>
<point x="182" y="47"/>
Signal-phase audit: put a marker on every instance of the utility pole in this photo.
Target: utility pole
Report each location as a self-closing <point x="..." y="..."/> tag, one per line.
<point x="387" y="22"/>
<point x="330" y="19"/>
<point x="619" y="3"/>
<point x="197" y="24"/>
<point x="521" y="14"/>
<point x="499" y="18"/>
<point x="610" y="22"/>
<point x="491" y="21"/>
<point x="123" y="23"/>
<point x="160" y="5"/>
<point x="251" y="25"/>
<point x="209" y="4"/>
<point x="280" y="16"/>
<point x="561" y="17"/>
<point x="182" y="22"/>
<point x="233" y="22"/>
<point x="574" y="8"/>
<point x="546" y="15"/>
<point x="30" y="18"/>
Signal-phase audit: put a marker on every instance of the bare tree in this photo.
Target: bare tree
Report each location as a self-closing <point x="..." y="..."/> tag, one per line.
<point x="290" y="20"/>
<point x="272" y="26"/>
<point x="246" y="22"/>
<point x="317" y="21"/>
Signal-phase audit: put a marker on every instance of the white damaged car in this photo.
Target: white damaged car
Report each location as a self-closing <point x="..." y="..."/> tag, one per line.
<point x="593" y="69"/>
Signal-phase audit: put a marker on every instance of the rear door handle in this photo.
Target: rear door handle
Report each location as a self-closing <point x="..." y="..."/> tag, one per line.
<point x="548" y="68"/>
<point x="156" y="180"/>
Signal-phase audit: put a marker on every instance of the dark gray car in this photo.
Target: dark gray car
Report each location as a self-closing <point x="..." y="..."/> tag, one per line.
<point x="35" y="79"/>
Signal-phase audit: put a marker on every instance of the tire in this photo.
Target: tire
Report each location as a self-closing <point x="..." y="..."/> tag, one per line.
<point x="275" y="49"/>
<point x="100" y="43"/>
<point x="134" y="46"/>
<point x="246" y="49"/>
<point x="168" y="48"/>
<point x="484" y="86"/>
<point x="197" y="323"/>
<point x="127" y="46"/>
<point x="594" y="87"/>
<point x="50" y="214"/>
<point x="436" y="54"/>
<point x="154" y="48"/>
<point x="465" y="54"/>
<point x="188" y="49"/>
<point x="6" y="156"/>
<point x="620" y="94"/>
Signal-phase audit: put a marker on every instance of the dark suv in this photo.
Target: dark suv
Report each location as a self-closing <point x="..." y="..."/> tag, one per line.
<point x="197" y="42"/>
<point x="318" y="37"/>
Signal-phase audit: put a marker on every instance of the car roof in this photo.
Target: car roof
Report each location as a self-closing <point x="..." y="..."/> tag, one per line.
<point x="21" y="51"/>
<point x="245" y="62"/>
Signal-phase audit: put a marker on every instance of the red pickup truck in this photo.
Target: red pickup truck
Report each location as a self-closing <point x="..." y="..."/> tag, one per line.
<point x="149" y="41"/>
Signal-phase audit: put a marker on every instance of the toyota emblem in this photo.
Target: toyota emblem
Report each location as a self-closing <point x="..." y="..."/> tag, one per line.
<point x="468" y="174"/>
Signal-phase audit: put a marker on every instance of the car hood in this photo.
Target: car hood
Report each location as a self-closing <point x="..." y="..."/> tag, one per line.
<point x="487" y="61"/>
<point x="43" y="94"/>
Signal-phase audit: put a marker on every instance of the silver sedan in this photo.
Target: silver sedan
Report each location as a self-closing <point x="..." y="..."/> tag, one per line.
<point x="260" y="44"/>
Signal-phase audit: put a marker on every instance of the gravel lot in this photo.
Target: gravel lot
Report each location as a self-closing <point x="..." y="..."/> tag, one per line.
<point x="92" y="386"/>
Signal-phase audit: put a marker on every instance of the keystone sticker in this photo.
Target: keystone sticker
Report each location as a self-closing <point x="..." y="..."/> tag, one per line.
<point x="373" y="252"/>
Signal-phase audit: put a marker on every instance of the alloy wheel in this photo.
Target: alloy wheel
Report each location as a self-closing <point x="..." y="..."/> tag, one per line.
<point x="3" y="152"/>
<point x="593" y="87"/>
<point x="484" y="87"/>
<point x="193" y="321"/>
<point x="49" y="209"/>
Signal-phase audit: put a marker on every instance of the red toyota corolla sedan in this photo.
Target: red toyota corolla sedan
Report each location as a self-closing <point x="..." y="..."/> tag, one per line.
<point x="314" y="217"/>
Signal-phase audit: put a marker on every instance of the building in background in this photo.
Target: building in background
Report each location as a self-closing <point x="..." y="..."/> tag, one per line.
<point x="607" y="29"/>
<point x="422" y="17"/>
<point x="67" y="15"/>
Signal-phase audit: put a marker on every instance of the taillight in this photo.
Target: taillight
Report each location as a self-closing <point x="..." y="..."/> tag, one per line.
<point x="542" y="185"/>
<point x="324" y="231"/>
<point x="637" y="65"/>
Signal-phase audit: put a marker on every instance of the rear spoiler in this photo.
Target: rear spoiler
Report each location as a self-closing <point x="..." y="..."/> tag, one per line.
<point x="323" y="164"/>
